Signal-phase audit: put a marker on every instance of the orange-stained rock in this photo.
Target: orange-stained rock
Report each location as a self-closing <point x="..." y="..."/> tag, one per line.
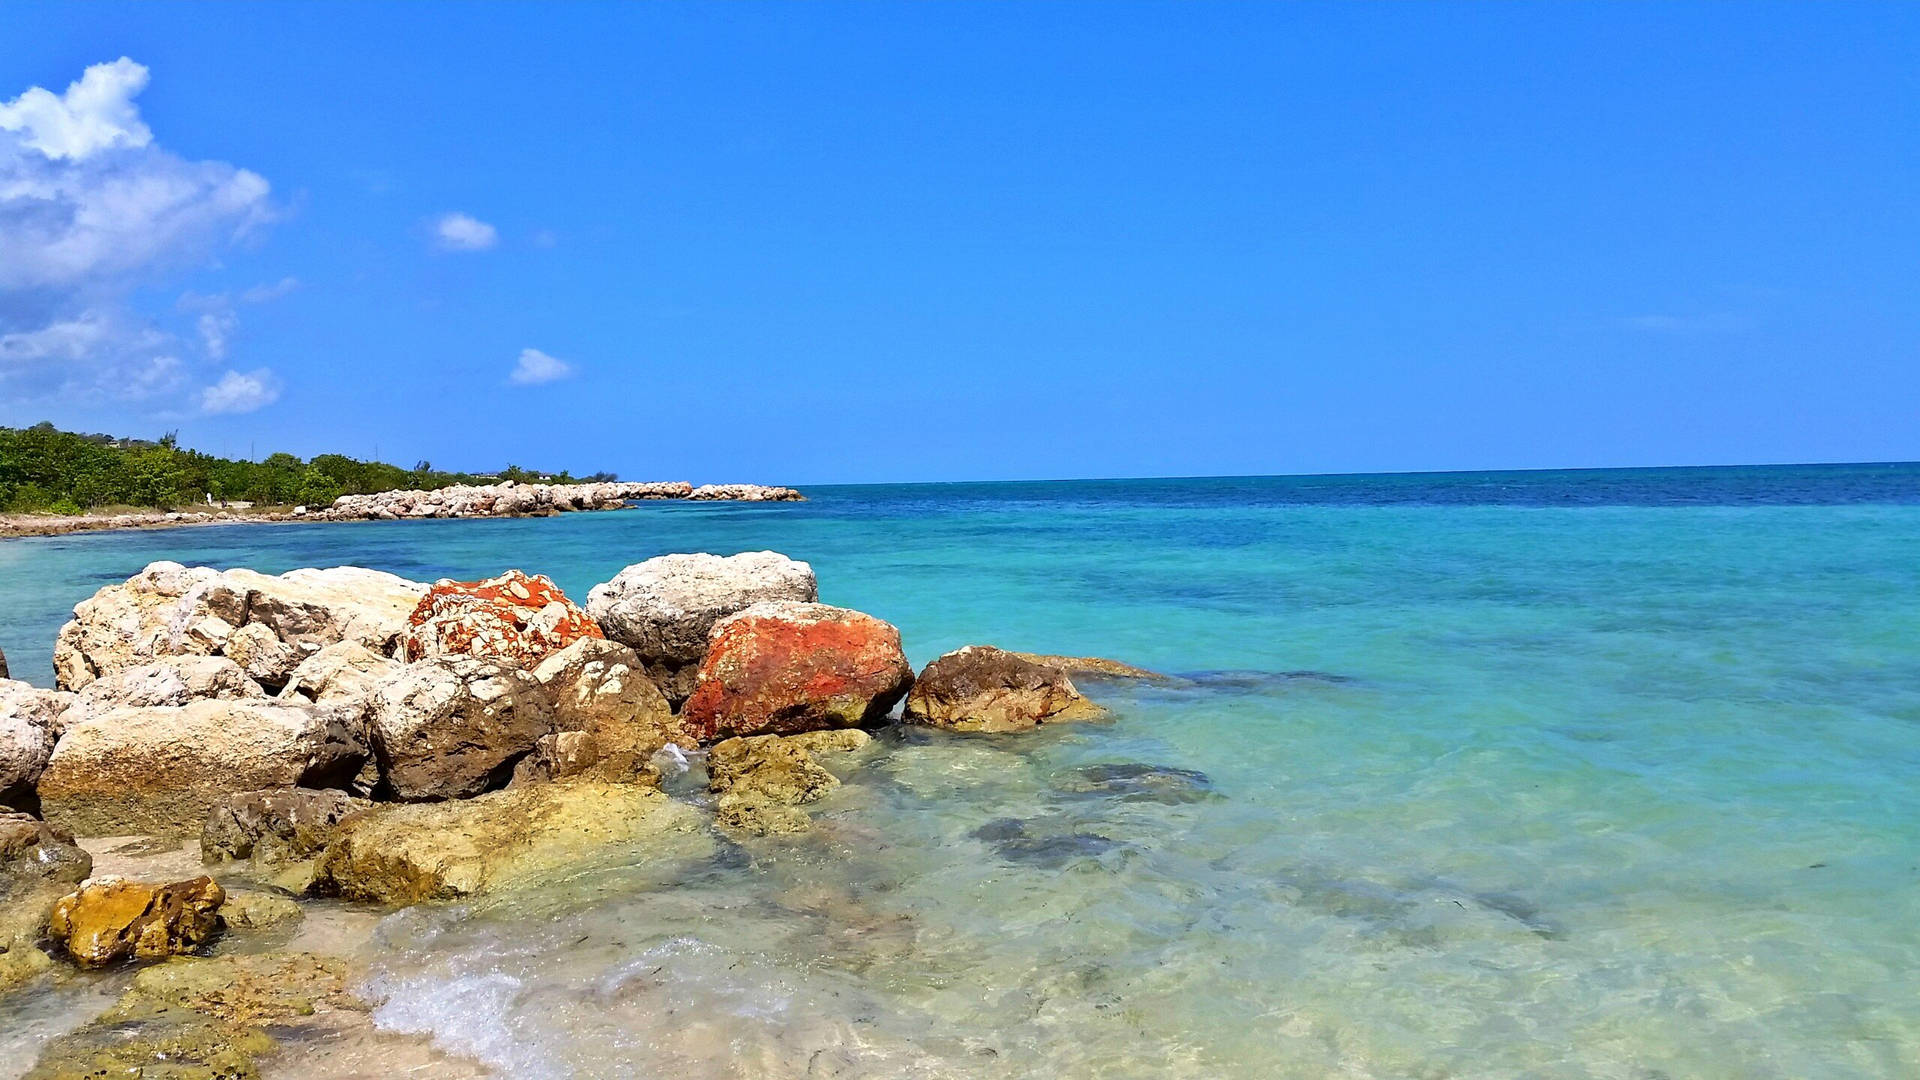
<point x="514" y="617"/>
<point x="785" y="667"/>
<point x="111" y="918"/>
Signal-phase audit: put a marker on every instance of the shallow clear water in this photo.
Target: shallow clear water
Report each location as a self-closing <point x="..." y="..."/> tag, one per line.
<point x="1517" y="775"/>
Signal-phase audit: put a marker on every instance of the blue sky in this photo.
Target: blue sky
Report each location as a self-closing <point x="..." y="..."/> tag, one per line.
<point x="817" y="243"/>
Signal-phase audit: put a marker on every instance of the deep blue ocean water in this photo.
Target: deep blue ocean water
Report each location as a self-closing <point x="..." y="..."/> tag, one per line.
<point x="1562" y="774"/>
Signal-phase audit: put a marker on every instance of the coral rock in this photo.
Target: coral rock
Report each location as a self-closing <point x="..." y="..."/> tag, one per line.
<point x="783" y="668"/>
<point x="513" y="616"/>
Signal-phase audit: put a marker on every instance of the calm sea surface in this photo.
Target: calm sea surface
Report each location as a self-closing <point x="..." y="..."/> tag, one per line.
<point x="1584" y="774"/>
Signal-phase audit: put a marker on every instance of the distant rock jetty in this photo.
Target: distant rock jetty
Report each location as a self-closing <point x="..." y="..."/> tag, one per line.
<point x="506" y="499"/>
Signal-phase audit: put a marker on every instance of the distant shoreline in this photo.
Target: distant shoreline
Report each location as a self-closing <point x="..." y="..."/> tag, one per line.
<point x="506" y="500"/>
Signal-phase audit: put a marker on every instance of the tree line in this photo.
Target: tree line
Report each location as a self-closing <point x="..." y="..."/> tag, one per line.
<point x="45" y="470"/>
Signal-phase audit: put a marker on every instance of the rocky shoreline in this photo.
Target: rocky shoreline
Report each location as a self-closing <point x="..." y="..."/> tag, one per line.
<point x="506" y="499"/>
<point x="348" y="734"/>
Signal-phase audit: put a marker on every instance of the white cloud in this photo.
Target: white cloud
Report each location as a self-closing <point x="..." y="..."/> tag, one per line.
<point x="537" y="367"/>
<point x="91" y="208"/>
<point x="215" y="328"/>
<point x="237" y="393"/>
<point x="95" y="113"/>
<point x="462" y="232"/>
<point x="260" y="294"/>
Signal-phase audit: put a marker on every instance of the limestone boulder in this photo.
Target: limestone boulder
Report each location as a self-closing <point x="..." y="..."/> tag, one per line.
<point x="609" y="719"/>
<point x="983" y="689"/>
<point x="109" y="919"/>
<point x="162" y="770"/>
<point x="259" y="652"/>
<point x="665" y="608"/>
<point x="453" y="727"/>
<point x="276" y="826"/>
<point x="172" y="610"/>
<point x="759" y="781"/>
<point x="785" y="667"/>
<point x="513" y="617"/>
<point x="29" y="722"/>
<point x="406" y="853"/>
<point x="175" y="680"/>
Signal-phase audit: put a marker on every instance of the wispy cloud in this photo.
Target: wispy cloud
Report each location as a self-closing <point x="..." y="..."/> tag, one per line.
<point x="241" y="393"/>
<point x="456" y="231"/>
<point x="537" y="367"/>
<point x="1713" y="323"/>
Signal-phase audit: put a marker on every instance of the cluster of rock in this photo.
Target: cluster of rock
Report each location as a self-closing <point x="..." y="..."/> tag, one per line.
<point x="350" y="733"/>
<point x="509" y="499"/>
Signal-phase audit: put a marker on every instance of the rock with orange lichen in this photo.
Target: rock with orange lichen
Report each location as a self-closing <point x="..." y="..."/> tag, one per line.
<point x="110" y="918"/>
<point x="516" y="617"/>
<point x="786" y="667"/>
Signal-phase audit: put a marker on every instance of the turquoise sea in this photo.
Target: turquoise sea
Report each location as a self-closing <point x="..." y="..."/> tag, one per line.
<point x="1609" y="774"/>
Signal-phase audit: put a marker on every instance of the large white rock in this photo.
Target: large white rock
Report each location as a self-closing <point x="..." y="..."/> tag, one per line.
<point x="664" y="608"/>
<point x="172" y="610"/>
<point x="161" y="770"/>
<point x="28" y="719"/>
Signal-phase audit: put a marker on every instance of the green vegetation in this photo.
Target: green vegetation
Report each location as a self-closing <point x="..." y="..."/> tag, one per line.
<point x="44" y="470"/>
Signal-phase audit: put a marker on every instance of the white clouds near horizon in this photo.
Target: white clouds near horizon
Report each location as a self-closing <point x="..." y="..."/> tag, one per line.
<point x="455" y="231"/>
<point x="536" y="367"/>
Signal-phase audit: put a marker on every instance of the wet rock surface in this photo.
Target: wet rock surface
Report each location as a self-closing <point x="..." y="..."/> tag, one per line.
<point x="38" y="865"/>
<point x="515" y="617"/>
<point x="109" y="919"/>
<point x="665" y="608"/>
<point x="278" y="825"/>
<point x="207" y="1019"/>
<point x="1094" y="666"/>
<point x="403" y="854"/>
<point x="786" y="667"/>
<point x="984" y="689"/>
<point x="760" y="781"/>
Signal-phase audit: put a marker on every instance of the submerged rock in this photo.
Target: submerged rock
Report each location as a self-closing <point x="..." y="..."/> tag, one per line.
<point x="276" y="826"/>
<point x="195" y="1018"/>
<point x="1017" y="841"/>
<point x="1097" y="666"/>
<point x="665" y="608"/>
<point x="515" y="617"/>
<point x="110" y="919"/>
<point x="29" y="721"/>
<point x="247" y="909"/>
<point x="451" y="727"/>
<point x="761" y="780"/>
<point x="161" y="770"/>
<point x="981" y="688"/>
<point x="403" y="854"/>
<point x="609" y="719"/>
<point x="783" y="668"/>
<point x="1136" y="782"/>
<point x="170" y="610"/>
